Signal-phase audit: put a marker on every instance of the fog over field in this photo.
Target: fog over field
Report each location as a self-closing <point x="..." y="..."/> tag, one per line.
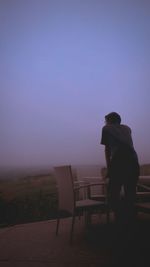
<point x="65" y="65"/>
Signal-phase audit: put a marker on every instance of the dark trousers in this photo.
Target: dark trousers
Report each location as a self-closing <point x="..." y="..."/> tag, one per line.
<point x="123" y="173"/>
<point x="123" y="203"/>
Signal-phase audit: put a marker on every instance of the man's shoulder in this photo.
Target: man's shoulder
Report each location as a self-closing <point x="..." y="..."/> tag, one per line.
<point x="106" y="127"/>
<point x="110" y="127"/>
<point x="113" y="129"/>
<point x="125" y="127"/>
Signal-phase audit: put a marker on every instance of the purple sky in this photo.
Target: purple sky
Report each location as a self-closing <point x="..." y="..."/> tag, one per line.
<point x="64" y="65"/>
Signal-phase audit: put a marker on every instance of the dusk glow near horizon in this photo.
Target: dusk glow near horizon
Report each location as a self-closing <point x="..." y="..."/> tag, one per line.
<point x="64" y="66"/>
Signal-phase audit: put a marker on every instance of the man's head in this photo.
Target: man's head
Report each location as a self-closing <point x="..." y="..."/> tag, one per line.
<point x="113" y="117"/>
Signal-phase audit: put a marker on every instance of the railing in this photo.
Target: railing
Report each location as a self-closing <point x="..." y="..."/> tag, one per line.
<point x="99" y="187"/>
<point x="91" y="187"/>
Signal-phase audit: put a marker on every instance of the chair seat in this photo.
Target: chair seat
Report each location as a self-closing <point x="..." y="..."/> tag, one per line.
<point x="98" y="197"/>
<point x="87" y="203"/>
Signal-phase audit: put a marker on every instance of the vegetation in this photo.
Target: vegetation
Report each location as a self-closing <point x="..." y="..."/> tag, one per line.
<point x="32" y="198"/>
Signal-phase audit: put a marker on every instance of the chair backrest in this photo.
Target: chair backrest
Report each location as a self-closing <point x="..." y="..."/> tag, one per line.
<point x="64" y="181"/>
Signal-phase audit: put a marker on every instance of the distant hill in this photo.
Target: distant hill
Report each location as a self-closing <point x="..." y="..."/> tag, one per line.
<point x="22" y="172"/>
<point x="79" y="171"/>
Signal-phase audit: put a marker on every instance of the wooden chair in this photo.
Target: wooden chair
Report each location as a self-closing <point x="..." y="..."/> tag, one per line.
<point x="67" y="201"/>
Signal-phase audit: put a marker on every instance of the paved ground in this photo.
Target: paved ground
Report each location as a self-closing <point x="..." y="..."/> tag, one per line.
<point x="35" y="245"/>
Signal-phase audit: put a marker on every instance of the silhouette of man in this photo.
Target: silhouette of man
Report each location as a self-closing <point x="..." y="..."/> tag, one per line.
<point x="122" y="168"/>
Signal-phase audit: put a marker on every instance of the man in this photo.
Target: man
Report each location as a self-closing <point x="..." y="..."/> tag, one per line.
<point x="122" y="167"/>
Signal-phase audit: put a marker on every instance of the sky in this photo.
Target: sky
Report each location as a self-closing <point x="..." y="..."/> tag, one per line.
<point x="64" y="66"/>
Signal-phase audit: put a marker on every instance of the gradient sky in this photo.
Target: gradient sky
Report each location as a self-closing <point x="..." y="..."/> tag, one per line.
<point x="63" y="66"/>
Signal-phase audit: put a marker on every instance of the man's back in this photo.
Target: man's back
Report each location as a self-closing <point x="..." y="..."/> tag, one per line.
<point x="115" y="136"/>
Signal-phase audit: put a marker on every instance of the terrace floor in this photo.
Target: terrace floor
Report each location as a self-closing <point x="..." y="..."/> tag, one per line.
<point x="35" y="245"/>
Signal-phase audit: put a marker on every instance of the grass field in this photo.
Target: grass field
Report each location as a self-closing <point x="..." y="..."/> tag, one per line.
<point x="27" y="199"/>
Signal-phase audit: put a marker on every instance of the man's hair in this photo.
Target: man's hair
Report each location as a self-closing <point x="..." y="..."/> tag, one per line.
<point x="113" y="117"/>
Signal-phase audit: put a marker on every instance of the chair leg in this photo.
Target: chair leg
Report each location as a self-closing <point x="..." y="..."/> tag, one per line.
<point x="107" y="216"/>
<point x="88" y="218"/>
<point x="57" y="226"/>
<point x="72" y="227"/>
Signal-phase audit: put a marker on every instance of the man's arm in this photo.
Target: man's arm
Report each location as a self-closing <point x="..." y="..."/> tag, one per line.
<point x="107" y="157"/>
<point x="105" y="141"/>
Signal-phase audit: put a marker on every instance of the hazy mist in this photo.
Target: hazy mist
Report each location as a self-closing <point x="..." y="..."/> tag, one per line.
<point x="64" y="65"/>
